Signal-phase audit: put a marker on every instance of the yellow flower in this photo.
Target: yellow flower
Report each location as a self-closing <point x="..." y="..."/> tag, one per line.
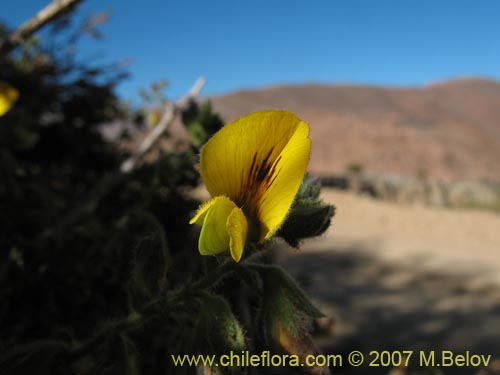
<point x="253" y="168"/>
<point x="8" y="96"/>
<point x="154" y="118"/>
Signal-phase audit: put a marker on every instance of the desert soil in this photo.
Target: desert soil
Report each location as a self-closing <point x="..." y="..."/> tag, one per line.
<point x="404" y="277"/>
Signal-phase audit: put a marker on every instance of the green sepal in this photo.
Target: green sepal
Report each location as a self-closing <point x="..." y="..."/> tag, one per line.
<point x="306" y="222"/>
<point x="279" y="284"/>
<point x="309" y="216"/>
<point x="283" y="301"/>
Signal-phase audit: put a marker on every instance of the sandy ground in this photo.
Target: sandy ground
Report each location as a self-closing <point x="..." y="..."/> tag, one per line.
<point x="404" y="277"/>
<point x="428" y="237"/>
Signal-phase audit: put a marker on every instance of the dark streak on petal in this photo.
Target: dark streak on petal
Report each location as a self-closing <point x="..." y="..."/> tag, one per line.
<point x="264" y="167"/>
<point x="259" y="179"/>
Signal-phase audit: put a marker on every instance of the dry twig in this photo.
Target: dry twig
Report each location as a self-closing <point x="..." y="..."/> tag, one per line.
<point x="163" y="124"/>
<point x="43" y="17"/>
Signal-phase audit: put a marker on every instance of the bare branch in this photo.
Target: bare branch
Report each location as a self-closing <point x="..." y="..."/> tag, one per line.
<point x="163" y="124"/>
<point x="43" y="17"/>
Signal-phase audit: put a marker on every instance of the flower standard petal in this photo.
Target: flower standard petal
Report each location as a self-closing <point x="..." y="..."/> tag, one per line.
<point x="255" y="139"/>
<point x="237" y="228"/>
<point x="214" y="237"/>
<point x="290" y="168"/>
<point x="8" y="96"/>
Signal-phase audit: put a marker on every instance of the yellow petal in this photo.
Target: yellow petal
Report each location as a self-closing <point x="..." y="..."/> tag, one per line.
<point x="291" y="167"/>
<point x="214" y="237"/>
<point x="226" y="159"/>
<point x="199" y="217"/>
<point x="259" y="162"/>
<point x="237" y="227"/>
<point x="154" y="118"/>
<point x="8" y="96"/>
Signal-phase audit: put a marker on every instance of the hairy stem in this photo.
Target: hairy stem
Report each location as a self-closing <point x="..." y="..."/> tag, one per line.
<point x="138" y="318"/>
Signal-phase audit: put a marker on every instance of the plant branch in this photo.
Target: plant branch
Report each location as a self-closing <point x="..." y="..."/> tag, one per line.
<point x="42" y="18"/>
<point x="167" y="118"/>
<point x="130" y="322"/>
<point x="137" y="319"/>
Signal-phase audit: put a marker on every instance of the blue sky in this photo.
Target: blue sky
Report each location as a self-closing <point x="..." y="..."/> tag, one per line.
<point x="239" y="44"/>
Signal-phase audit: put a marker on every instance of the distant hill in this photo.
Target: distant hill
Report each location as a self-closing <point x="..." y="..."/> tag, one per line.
<point x="446" y="131"/>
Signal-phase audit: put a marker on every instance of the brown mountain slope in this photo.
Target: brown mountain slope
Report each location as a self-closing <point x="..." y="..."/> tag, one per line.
<point x="447" y="131"/>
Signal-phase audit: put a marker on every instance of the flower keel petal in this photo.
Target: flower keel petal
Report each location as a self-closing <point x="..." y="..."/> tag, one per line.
<point x="214" y="237"/>
<point x="199" y="217"/>
<point x="237" y="228"/>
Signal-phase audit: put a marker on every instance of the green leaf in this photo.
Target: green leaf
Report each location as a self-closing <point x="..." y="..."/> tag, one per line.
<point x="209" y="119"/>
<point x="217" y="330"/>
<point x="197" y="133"/>
<point x="201" y="122"/>
<point x="190" y="113"/>
<point x="151" y="259"/>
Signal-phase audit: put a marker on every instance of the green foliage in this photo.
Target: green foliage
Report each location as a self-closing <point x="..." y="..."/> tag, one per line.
<point x="99" y="270"/>
<point x="201" y="123"/>
<point x="36" y="358"/>
<point x="155" y="95"/>
<point x="216" y="330"/>
<point x="52" y="157"/>
<point x="283" y="289"/>
<point x="80" y="243"/>
<point x="151" y="258"/>
<point x="285" y="312"/>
